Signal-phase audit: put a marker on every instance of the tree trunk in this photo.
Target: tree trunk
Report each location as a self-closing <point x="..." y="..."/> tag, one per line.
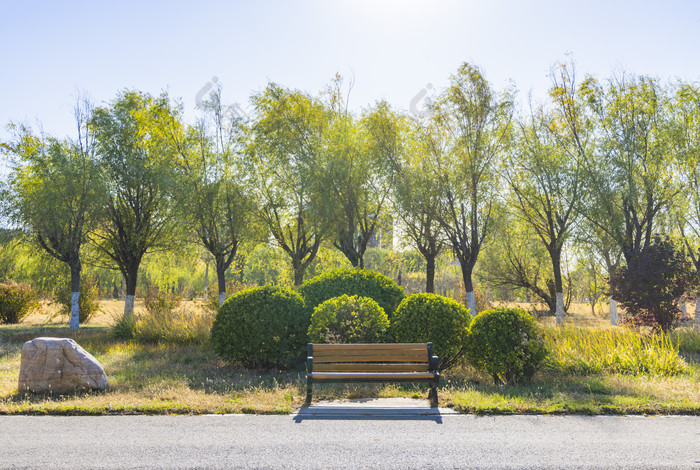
<point x="469" y="289"/>
<point x="614" y="317"/>
<point x="555" y="254"/>
<point x="298" y="267"/>
<point x="130" y="278"/>
<point x="697" y="313"/>
<point x="221" y="278"/>
<point x="206" y="276"/>
<point x="430" y="273"/>
<point x="560" y="308"/>
<point x="75" y="294"/>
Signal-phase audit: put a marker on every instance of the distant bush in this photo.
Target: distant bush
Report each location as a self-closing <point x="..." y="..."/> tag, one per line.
<point x="348" y="319"/>
<point x="352" y="281"/>
<point x="506" y="343"/>
<point x="88" y="303"/>
<point x="157" y="302"/>
<point x="263" y="327"/>
<point x="16" y="301"/>
<point x="423" y="318"/>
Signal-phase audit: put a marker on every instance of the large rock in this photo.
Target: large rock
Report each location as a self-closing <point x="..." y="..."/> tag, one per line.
<point x="59" y="365"/>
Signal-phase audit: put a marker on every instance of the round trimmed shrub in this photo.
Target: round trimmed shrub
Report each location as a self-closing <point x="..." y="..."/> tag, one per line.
<point x="506" y="343"/>
<point x="423" y="318"/>
<point x="348" y="319"/>
<point x="264" y="327"/>
<point x="352" y="281"/>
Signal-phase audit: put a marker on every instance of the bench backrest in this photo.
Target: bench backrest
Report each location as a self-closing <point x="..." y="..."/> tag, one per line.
<point x="382" y="357"/>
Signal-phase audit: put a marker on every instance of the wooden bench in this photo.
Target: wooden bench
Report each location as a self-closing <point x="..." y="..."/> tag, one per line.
<point x="399" y="362"/>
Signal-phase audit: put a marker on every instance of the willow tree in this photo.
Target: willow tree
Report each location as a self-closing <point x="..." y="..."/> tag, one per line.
<point x="619" y="129"/>
<point x="139" y="165"/>
<point x="212" y="182"/>
<point x="685" y="137"/>
<point x="285" y="155"/>
<point x="546" y="184"/>
<point x="55" y="194"/>
<point x="415" y="198"/>
<point x="354" y="179"/>
<point x="469" y="132"/>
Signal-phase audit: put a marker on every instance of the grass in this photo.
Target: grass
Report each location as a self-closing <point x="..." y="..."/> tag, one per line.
<point x="618" y="351"/>
<point x="189" y="379"/>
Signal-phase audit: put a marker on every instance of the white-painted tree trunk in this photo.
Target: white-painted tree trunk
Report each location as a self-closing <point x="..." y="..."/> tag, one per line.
<point x="222" y="298"/>
<point x="74" y="310"/>
<point x="471" y="303"/>
<point x="697" y="313"/>
<point x="560" y="308"/>
<point x="614" y="318"/>
<point x="128" y="305"/>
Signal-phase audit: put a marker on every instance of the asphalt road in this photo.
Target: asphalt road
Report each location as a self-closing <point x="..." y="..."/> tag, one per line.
<point x="349" y="440"/>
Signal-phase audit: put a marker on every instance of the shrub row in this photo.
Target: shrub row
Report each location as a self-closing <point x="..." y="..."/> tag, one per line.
<point x="270" y="326"/>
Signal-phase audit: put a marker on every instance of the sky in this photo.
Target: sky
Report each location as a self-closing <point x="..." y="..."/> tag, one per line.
<point x="396" y="50"/>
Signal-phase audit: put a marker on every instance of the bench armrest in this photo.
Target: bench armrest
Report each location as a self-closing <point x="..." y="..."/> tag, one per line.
<point x="434" y="361"/>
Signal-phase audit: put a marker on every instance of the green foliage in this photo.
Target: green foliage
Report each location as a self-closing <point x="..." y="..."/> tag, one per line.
<point x="617" y="351"/>
<point x="267" y="265"/>
<point x="348" y="319"/>
<point x="422" y="318"/>
<point x="262" y="327"/>
<point x="140" y="169"/>
<point x="506" y="343"/>
<point x="285" y="156"/>
<point x="16" y="301"/>
<point x="348" y="281"/>
<point x="88" y="304"/>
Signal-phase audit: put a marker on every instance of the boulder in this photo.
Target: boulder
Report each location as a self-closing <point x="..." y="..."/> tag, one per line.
<point x="59" y="365"/>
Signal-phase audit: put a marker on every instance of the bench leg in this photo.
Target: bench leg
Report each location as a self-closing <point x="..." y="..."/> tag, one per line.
<point x="308" y="392"/>
<point x="433" y="395"/>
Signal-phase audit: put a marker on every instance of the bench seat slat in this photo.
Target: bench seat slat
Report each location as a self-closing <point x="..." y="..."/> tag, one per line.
<point x="370" y="367"/>
<point x="364" y="376"/>
<point x="360" y="356"/>
<point x="370" y="347"/>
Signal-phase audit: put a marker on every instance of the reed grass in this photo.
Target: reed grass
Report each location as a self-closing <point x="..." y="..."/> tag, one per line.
<point x="576" y="350"/>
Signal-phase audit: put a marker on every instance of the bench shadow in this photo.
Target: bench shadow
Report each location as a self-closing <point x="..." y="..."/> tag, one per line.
<point x="368" y="413"/>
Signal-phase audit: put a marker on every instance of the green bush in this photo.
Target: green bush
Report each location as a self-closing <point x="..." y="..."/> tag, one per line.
<point x="262" y="327"/>
<point x="352" y="281"/>
<point x="16" y="301"/>
<point x="506" y="343"/>
<point x="88" y="304"/>
<point x="348" y="319"/>
<point x="423" y="318"/>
